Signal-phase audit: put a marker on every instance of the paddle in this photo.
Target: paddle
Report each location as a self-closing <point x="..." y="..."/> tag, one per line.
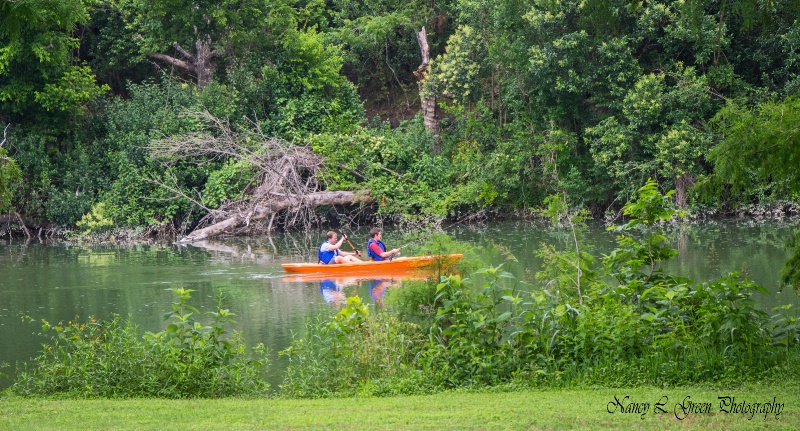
<point x="358" y="253"/>
<point x="334" y="221"/>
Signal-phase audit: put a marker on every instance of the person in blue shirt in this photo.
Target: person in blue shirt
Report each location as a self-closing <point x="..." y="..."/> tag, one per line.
<point x="330" y="251"/>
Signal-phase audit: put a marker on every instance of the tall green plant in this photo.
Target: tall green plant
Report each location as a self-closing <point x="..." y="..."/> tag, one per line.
<point x="354" y="353"/>
<point x="557" y="210"/>
<point x="109" y="359"/>
<point x="647" y="211"/>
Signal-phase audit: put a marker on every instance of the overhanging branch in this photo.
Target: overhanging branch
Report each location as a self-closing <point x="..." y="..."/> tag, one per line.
<point x="173" y="61"/>
<point x="182" y="52"/>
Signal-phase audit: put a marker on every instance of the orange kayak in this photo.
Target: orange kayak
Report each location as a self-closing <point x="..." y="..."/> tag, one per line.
<point x="399" y="263"/>
<point x="353" y="278"/>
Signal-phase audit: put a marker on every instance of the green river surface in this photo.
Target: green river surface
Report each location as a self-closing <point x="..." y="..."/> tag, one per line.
<point x="59" y="281"/>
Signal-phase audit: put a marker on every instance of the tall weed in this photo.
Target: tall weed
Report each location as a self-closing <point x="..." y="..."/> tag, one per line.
<point x="109" y="359"/>
<point x="354" y="354"/>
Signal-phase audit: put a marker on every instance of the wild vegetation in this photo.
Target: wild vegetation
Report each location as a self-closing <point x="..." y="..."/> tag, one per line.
<point x="630" y="324"/>
<point x="195" y="117"/>
<point x="110" y="359"/>
<point x="616" y="321"/>
<point x="532" y="98"/>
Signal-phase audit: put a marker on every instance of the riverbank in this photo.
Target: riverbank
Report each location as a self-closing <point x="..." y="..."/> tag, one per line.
<point x="546" y="410"/>
<point x="775" y="212"/>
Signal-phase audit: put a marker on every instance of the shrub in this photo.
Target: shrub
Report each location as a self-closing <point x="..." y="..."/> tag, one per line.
<point x="636" y="325"/>
<point x="353" y="354"/>
<point x="95" y="220"/>
<point x="108" y="359"/>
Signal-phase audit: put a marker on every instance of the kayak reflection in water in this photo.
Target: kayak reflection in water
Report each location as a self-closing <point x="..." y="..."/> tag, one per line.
<point x="332" y="292"/>
<point x="377" y="290"/>
<point x="333" y="289"/>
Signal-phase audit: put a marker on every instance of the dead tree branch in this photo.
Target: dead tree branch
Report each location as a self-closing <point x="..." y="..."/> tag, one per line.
<point x="284" y="176"/>
<point x="4" y="134"/>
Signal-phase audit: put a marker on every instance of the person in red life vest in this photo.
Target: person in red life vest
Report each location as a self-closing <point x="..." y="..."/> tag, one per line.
<point x="329" y="252"/>
<point x="375" y="247"/>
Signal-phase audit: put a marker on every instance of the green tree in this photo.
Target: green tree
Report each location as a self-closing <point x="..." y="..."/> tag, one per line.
<point x="110" y="48"/>
<point x="761" y="145"/>
<point x="660" y="132"/>
<point x="378" y="38"/>
<point x="192" y="35"/>
<point x="40" y="76"/>
<point x="10" y="175"/>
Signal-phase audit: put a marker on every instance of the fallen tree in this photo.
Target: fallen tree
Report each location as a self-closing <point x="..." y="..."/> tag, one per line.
<point x="274" y="206"/>
<point x="284" y="182"/>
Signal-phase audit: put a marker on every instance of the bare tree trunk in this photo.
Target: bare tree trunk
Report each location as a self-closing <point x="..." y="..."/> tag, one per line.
<point x="265" y="209"/>
<point x="4" y="134"/>
<point x="199" y="64"/>
<point x="205" y="56"/>
<point x="22" y="225"/>
<point x="682" y="184"/>
<point x="428" y="99"/>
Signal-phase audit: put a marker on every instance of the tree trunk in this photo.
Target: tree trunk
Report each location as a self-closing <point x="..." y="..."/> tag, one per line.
<point x="429" y="115"/>
<point x="682" y="184"/>
<point x="261" y="211"/>
<point x="200" y="64"/>
<point x="205" y="56"/>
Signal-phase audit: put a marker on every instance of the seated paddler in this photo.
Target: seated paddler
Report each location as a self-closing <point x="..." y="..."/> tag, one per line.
<point x="376" y="249"/>
<point x="330" y="251"/>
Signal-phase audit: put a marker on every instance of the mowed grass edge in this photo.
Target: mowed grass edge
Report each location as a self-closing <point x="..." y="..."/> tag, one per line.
<point x="546" y="410"/>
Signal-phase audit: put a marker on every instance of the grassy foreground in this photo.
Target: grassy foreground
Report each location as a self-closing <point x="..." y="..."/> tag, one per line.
<point x="551" y="409"/>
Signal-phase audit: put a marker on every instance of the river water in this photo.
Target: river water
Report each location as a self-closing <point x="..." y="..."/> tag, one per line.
<point x="62" y="282"/>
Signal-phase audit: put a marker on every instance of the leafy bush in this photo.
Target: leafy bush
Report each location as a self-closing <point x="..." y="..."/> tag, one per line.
<point x="10" y="175"/>
<point x="635" y="325"/>
<point x="108" y="359"/>
<point x="416" y="302"/>
<point x="353" y="354"/>
<point x="95" y="220"/>
<point x="226" y="183"/>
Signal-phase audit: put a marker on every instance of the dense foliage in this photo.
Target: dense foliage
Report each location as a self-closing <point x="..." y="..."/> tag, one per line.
<point x="635" y="325"/>
<point x="110" y="359"/>
<point x="567" y="105"/>
<point x="615" y="321"/>
<point x="586" y="99"/>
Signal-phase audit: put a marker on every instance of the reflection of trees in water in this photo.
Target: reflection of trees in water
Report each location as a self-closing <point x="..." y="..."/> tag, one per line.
<point x="710" y="249"/>
<point x="682" y="241"/>
<point x="53" y="254"/>
<point x="263" y="249"/>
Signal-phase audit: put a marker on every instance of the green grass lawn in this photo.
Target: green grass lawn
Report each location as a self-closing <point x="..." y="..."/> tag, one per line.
<point x="549" y="410"/>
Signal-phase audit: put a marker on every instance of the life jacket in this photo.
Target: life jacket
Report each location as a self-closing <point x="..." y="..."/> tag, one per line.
<point x="371" y="253"/>
<point x="326" y="256"/>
